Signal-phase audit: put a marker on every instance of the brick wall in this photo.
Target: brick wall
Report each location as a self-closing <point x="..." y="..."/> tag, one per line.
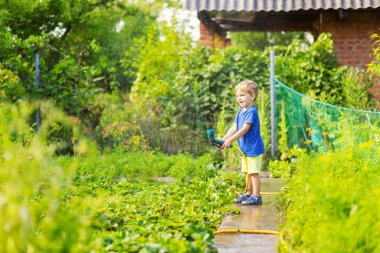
<point x="211" y="38"/>
<point x="351" y="36"/>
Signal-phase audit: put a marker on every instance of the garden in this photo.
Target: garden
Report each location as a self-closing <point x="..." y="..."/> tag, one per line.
<point x="109" y="153"/>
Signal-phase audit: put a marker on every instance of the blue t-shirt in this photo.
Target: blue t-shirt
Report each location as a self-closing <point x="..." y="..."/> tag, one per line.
<point x="251" y="143"/>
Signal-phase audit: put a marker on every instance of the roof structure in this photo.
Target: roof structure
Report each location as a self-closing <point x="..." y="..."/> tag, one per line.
<point x="350" y="23"/>
<point x="278" y="5"/>
<point x="276" y="15"/>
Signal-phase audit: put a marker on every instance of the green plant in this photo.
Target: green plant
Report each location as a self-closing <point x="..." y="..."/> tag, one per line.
<point x="286" y="166"/>
<point x="331" y="203"/>
<point x="374" y="66"/>
<point x="263" y="40"/>
<point x="33" y="215"/>
<point x="355" y="90"/>
<point x="116" y="127"/>
<point x="282" y="130"/>
<point x="264" y="109"/>
<point x="314" y="68"/>
<point x="180" y="216"/>
<point x="280" y="169"/>
<point x="10" y="85"/>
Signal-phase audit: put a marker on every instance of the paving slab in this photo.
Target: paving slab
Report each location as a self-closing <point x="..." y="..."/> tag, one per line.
<point x="262" y="217"/>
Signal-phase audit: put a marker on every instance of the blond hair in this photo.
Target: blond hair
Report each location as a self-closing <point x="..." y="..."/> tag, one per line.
<point x="247" y="86"/>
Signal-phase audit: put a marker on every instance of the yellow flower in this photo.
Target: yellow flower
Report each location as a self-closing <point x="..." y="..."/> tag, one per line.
<point x="348" y="156"/>
<point x="325" y="158"/>
<point x="366" y="144"/>
<point x="136" y="139"/>
<point x="307" y="142"/>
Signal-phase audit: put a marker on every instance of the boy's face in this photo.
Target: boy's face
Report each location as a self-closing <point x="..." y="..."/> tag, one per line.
<point x="244" y="98"/>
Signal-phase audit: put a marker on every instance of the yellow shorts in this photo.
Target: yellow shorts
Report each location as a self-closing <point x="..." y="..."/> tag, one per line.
<point x="254" y="164"/>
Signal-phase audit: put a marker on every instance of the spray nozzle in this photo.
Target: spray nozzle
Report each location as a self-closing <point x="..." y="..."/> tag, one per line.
<point x="214" y="142"/>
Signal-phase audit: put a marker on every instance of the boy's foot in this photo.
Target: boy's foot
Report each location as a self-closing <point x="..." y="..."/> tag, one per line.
<point x="253" y="200"/>
<point x="242" y="197"/>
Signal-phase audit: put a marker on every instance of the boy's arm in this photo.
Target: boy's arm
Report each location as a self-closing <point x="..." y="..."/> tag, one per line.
<point x="230" y="132"/>
<point x="229" y="140"/>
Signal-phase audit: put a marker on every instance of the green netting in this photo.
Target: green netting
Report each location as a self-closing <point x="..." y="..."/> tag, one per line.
<point x="321" y="126"/>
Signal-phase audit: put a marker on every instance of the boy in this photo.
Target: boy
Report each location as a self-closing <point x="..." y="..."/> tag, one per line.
<point x="246" y="129"/>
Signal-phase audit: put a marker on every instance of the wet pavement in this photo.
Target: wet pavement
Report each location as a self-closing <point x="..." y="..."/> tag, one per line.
<point x="263" y="217"/>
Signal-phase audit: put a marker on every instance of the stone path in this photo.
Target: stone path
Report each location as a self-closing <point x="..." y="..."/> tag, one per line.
<point x="264" y="217"/>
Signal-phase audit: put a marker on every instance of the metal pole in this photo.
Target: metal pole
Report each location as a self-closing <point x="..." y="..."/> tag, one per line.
<point x="37" y="86"/>
<point x="272" y="105"/>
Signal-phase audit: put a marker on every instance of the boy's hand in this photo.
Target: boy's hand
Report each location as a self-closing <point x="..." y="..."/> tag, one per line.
<point x="226" y="144"/>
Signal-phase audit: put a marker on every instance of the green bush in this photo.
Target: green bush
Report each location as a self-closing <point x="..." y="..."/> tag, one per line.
<point x="189" y="92"/>
<point x="286" y="165"/>
<point x="117" y="126"/>
<point x="195" y="91"/>
<point x="314" y="67"/>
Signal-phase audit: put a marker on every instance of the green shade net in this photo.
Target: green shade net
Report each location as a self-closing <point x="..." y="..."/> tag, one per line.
<point x="321" y="126"/>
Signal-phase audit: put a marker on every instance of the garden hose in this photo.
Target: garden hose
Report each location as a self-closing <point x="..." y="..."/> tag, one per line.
<point x="268" y="193"/>
<point x="219" y="143"/>
<point x="247" y="181"/>
<point x="247" y="177"/>
<point x="247" y="231"/>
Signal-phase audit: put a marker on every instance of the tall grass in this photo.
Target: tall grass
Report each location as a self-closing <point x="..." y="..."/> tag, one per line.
<point x="33" y="217"/>
<point x="332" y="201"/>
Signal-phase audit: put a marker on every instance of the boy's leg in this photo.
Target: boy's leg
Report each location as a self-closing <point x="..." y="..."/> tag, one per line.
<point x="254" y="186"/>
<point x="254" y="169"/>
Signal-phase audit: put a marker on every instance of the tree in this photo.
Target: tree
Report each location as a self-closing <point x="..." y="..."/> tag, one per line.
<point x="81" y="44"/>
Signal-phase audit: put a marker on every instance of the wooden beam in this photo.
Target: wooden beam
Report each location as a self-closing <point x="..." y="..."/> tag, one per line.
<point x="342" y="14"/>
<point x="270" y="25"/>
<point x="268" y="21"/>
